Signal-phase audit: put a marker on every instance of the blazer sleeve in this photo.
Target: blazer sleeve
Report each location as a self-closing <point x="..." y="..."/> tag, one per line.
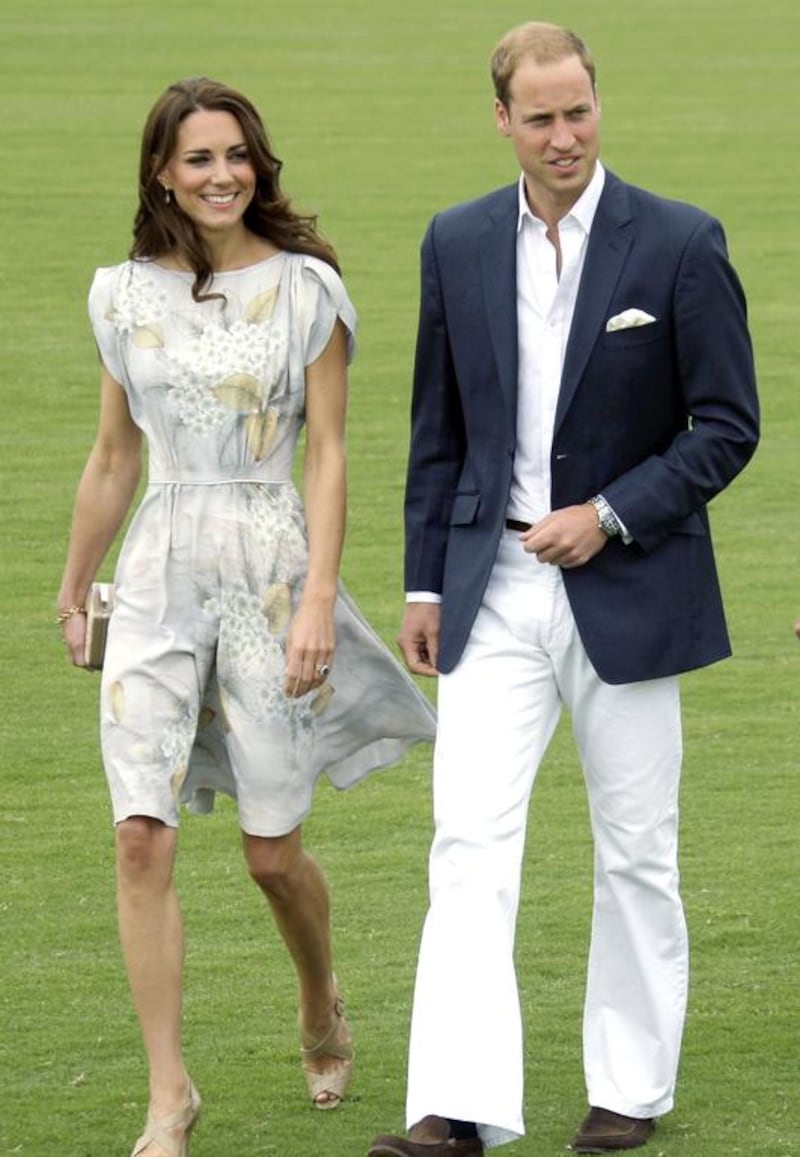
<point x="437" y="445"/>
<point x="714" y="360"/>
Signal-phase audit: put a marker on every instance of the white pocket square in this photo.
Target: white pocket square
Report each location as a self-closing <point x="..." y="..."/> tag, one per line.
<point x="628" y="319"/>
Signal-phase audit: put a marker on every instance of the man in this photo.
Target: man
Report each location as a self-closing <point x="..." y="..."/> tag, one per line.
<point x="584" y="386"/>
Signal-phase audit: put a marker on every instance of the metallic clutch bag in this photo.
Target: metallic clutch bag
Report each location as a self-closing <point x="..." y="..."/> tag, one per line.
<point x="99" y="607"/>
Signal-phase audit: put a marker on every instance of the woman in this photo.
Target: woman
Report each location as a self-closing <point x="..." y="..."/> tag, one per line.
<point x="225" y="331"/>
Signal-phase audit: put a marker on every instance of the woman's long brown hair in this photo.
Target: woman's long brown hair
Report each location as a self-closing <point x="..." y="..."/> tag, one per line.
<point x="161" y="228"/>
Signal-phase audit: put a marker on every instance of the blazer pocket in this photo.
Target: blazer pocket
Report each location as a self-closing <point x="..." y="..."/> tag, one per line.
<point x="635" y="335"/>
<point x="465" y="508"/>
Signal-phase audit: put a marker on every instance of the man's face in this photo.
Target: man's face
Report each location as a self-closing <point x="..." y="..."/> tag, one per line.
<point x="553" y="121"/>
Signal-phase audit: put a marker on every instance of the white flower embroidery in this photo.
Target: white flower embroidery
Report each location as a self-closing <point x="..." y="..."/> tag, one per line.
<point x="137" y="302"/>
<point x="218" y="353"/>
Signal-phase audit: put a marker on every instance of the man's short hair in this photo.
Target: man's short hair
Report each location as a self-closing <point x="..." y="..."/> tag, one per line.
<point x="546" y="43"/>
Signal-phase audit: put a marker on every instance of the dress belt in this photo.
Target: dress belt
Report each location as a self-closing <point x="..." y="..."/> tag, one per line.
<point x="179" y="479"/>
<point x="515" y="524"/>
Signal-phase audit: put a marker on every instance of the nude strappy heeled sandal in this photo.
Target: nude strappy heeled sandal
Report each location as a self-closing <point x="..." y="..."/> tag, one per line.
<point x="159" y="1132"/>
<point x="328" y="1089"/>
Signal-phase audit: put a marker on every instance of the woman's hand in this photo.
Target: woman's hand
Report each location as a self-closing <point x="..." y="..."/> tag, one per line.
<point x="310" y="644"/>
<point x="73" y="630"/>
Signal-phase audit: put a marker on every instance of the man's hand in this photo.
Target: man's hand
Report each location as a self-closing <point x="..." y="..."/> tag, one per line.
<point x="568" y="537"/>
<point x="419" y="637"/>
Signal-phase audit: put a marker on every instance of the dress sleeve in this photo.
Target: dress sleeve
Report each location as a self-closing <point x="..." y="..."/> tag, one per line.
<point x="101" y="313"/>
<point x="322" y="298"/>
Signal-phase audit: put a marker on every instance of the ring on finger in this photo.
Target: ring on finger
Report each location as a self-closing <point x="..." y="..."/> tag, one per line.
<point x="323" y="670"/>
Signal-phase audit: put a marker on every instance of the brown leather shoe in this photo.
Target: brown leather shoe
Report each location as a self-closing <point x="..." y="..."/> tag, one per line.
<point x="430" y="1137"/>
<point x="603" y="1131"/>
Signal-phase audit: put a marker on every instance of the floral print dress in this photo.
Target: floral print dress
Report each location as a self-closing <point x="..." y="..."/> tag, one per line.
<point x="214" y="560"/>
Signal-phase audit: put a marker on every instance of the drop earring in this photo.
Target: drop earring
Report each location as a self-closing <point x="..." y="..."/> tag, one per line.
<point x="167" y="194"/>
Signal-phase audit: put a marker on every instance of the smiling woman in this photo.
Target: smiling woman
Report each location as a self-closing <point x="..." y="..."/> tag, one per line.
<point x="235" y="659"/>
<point x="209" y="187"/>
<point x="210" y="175"/>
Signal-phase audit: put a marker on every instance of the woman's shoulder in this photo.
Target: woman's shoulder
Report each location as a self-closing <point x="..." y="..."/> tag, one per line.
<point x="312" y="268"/>
<point x="106" y="277"/>
<point x="320" y="297"/>
<point x="127" y="290"/>
<point x="104" y="273"/>
<point x="101" y="289"/>
<point x="312" y="274"/>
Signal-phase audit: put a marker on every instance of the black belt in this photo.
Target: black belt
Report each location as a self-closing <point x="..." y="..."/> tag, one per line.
<point x="515" y="524"/>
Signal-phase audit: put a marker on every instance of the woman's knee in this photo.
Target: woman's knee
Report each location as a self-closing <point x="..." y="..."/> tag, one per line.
<point x="145" y="848"/>
<point x="273" y="862"/>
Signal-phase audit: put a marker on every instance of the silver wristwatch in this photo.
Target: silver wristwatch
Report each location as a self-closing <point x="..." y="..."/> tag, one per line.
<point x="606" y="518"/>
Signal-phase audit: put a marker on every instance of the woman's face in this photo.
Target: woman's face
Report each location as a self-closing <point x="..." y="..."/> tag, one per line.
<point x="210" y="173"/>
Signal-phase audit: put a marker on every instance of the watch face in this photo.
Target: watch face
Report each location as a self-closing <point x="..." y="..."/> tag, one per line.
<point x="606" y="519"/>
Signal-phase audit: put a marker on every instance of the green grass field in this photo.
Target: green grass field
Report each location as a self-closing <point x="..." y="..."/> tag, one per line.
<point x="382" y="114"/>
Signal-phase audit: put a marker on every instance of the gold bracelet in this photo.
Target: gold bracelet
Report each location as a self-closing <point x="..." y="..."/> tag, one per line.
<point x="67" y="613"/>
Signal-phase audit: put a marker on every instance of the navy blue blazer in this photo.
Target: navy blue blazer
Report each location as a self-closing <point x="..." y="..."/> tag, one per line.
<point x="659" y="418"/>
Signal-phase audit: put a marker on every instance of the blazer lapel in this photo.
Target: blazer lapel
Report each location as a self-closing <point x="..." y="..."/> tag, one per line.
<point x="497" y="255"/>
<point x="609" y="243"/>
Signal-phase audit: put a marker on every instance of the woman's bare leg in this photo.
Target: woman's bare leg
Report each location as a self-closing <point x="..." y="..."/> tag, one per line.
<point x="298" y="896"/>
<point x="151" y="933"/>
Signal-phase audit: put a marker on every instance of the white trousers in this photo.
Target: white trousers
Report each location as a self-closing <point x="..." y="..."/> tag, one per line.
<point x="497" y="713"/>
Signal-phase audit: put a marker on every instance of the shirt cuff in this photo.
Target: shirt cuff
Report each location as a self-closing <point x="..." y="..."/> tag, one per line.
<point x="422" y="597"/>
<point x="624" y="533"/>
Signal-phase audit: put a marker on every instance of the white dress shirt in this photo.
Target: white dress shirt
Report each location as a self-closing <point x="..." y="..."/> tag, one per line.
<point x="545" y="306"/>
